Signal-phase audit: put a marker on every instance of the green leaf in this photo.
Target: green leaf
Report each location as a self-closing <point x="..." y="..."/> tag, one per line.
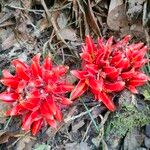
<point x="147" y="94"/>
<point x="41" y="147"/>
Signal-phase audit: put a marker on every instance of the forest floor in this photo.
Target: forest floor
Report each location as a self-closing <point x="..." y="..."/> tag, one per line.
<point x="58" y="27"/>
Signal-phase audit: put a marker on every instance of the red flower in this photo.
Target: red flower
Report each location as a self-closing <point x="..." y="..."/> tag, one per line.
<point x="108" y="68"/>
<point x="37" y="92"/>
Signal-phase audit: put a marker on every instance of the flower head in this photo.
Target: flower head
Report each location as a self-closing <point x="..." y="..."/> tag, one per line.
<point x="37" y="92"/>
<point x="108" y="68"/>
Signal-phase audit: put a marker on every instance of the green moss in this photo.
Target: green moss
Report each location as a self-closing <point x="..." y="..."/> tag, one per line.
<point x="126" y="119"/>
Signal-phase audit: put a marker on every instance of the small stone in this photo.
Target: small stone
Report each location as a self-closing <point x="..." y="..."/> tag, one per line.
<point x="147" y="142"/>
<point x="147" y="130"/>
<point x="141" y="148"/>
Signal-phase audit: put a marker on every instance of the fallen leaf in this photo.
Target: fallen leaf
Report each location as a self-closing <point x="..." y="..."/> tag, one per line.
<point x="77" y="146"/>
<point x="9" y="41"/>
<point x="133" y="140"/>
<point x="65" y="31"/>
<point x="77" y="125"/>
<point x="91" y="19"/>
<point x="25" y="143"/>
<point x="117" y="18"/>
<point x="134" y="9"/>
<point x="5" y="136"/>
<point x="43" y="24"/>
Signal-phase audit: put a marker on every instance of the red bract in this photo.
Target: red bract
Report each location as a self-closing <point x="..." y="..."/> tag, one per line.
<point x="37" y="92"/>
<point x="108" y="68"/>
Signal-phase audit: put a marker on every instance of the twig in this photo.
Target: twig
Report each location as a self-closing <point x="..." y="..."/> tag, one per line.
<point x="80" y="115"/>
<point x="63" y="56"/>
<point x="35" y="10"/>
<point x="8" y="122"/>
<point x="104" y="119"/>
<point x="87" y="129"/>
<point x="21" y="8"/>
<point x="12" y="145"/>
<point x="51" y="19"/>
<point x="88" y="111"/>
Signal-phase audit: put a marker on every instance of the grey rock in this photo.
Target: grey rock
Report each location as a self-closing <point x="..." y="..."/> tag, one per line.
<point x="147" y="130"/>
<point x="133" y="140"/>
<point x="147" y="142"/>
<point x="141" y="148"/>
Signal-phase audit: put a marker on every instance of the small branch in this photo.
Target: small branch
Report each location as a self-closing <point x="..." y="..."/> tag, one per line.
<point x="51" y="18"/>
<point x="80" y="115"/>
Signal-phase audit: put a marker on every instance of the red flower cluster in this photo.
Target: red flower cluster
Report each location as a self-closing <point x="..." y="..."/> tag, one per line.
<point x="109" y="68"/>
<point x="37" y="92"/>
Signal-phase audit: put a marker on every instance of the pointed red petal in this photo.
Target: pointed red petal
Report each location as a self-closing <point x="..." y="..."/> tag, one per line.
<point x="125" y="40"/>
<point x="108" y="48"/>
<point x="137" y="82"/>
<point x="86" y="57"/>
<point x="20" y="63"/>
<point x="36" y="126"/>
<point x="60" y="70"/>
<point x="139" y="54"/>
<point x="140" y="76"/>
<point x="16" y="110"/>
<point x="35" y="66"/>
<point x="9" y="97"/>
<point x="65" y="101"/>
<point x="29" y="119"/>
<point x="21" y="73"/>
<point x="128" y="74"/>
<point x="52" y="123"/>
<point x="90" y="45"/>
<point x="139" y="64"/>
<point x="12" y="82"/>
<point x="51" y="105"/>
<point x="58" y="115"/>
<point x="7" y="74"/>
<point x="22" y="84"/>
<point x="111" y="72"/>
<point x="116" y="58"/>
<point x="31" y="104"/>
<point x="80" y="88"/>
<point x="47" y="63"/>
<point x="97" y="85"/>
<point x="136" y="46"/>
<point x="114" y="87"/>
<point x="123" y="63"/>
<point x="132" y="89"/>
<point x="109" y="42"/>
<point x="106" y="100"/>
<point x="46" y="112"/>
<point x="79" y="74"/>
<point x="63" y="88"/>
<point x="92" y="68"/>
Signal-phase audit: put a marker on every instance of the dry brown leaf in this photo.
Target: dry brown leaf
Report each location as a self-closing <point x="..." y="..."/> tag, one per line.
<point x="6" y="23"/>
<point x="43" y="24"/>
<point x="9" y="41"/>
<point x="66" y="31"/>
<point x="91" y="19"/>
<point x="134" y="30"/>
<point x="77" y="125"/>
<point x="77" y="146"/>
<point x="27" y="3"/>
<point x="25" y="143"/>
<point x="5" y="135"/>
<point x="117" y="18"/>
<point x="68" y="34"/>
<point x="134" y="9"/>
<point x="5" y="17"/>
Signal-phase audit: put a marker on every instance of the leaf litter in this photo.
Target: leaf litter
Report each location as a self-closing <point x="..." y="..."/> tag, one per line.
<point x="59" y="28"/>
